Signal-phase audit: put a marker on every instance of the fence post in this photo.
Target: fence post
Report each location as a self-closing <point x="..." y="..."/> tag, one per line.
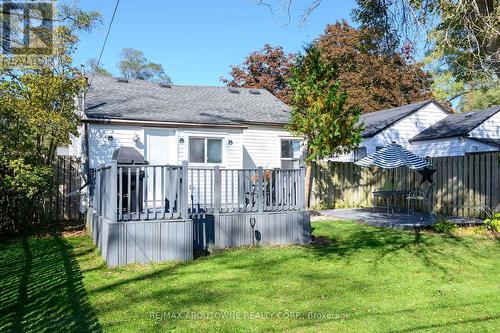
<point x="97" y="191"/>
<point x="260" y="190"/>
<point x="185" y="191"/>
<point x="113" y="194"/>
<point x="302" y="188"/>
<point x="217" y="190"/>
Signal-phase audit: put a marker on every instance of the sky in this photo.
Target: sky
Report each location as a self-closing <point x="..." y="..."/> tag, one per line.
<point x="196" y="41"/>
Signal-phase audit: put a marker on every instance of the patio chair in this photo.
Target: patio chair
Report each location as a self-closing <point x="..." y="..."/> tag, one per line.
<point x="419" y="195"/>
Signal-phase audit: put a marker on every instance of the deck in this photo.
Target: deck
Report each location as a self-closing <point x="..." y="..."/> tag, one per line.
<point x="150" y="213"/>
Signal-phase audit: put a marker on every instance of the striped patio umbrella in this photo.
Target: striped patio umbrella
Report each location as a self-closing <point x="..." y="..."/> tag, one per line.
<point x="393" y="156"/>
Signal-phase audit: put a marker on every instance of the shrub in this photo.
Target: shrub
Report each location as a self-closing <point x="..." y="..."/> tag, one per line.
<point x="493" y="223"/>
<point x="444" y="226"/>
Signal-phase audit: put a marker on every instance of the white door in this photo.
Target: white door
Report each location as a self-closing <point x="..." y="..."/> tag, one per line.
<point x="161" y="146"/>
<point x="161" y="149"/>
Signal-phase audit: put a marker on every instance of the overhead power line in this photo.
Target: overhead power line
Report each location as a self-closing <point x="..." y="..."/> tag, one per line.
<point x="105" y="41"/>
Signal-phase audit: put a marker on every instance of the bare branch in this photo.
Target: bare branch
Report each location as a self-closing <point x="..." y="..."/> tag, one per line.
<point x="262" y="3"/>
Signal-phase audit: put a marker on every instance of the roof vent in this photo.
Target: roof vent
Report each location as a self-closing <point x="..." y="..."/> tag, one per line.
<point x="254" y="92"/>
<point x="165" y="85"/>
<point x="233" y="90"/>
<point x="122" y="79"/>
<point x="470" y="114"/>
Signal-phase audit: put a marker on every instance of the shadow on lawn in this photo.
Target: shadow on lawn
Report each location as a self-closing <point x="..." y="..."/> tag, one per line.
<point x="42" y="289"/>
<point x="386" y="242"/>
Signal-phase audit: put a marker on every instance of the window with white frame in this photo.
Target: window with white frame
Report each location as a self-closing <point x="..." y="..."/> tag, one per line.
<point x="359" y="153"/>
<point x="290" y="154"/>
<point x="205" y="150"/>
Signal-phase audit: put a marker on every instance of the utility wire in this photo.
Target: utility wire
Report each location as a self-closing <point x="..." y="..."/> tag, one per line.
<point x="105" y="41"/>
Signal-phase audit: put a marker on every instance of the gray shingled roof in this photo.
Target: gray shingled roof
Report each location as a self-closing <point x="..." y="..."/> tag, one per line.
<point x="141" y="100"/>
<point x="459" y="124"/>
<point x="491" y="142"/>
<point x="376" y="122"/>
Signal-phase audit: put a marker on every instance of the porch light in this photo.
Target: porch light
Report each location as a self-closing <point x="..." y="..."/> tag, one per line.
<point x="230" y="142"/>
<point x="137" y="139"/>
<point x="252" y="224"/>
<point x="110" y="138"/>
<point x="181" y="140"/>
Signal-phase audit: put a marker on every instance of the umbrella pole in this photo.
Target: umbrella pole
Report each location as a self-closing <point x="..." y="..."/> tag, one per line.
<point x="393" y="189"/>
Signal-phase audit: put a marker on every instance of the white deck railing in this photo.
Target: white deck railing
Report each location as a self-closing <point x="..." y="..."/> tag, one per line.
<point x="151" y="192"/>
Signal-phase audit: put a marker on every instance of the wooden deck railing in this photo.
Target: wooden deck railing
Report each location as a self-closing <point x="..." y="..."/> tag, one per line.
<point x="151" y="192"/>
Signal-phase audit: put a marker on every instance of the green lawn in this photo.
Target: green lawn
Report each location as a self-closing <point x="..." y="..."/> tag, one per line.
<point x="356" y="278"/>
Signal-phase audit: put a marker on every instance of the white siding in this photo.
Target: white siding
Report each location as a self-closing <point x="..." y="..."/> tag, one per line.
<point x="401" y="131"/>
<point x="101" y="149"/>
<point x="475" y="146"/>
<point x="252" y="147"/>
<point x="449" y="147"/>
<point x="405" y="129"/>
<point x="349" y="157"/>
<point x="488" y="129"/>
<point x="262" y="146"/>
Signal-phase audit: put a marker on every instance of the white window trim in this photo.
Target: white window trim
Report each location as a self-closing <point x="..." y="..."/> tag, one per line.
<point x="285" y="138"/>
<point x="207" y="136"/>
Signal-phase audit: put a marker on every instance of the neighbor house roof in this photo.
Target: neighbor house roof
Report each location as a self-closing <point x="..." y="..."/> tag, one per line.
<point x="378" y="121"/>
<point x="109" y="98"/>
<point x="458" y="124"/>
<point x="488" y="141"/>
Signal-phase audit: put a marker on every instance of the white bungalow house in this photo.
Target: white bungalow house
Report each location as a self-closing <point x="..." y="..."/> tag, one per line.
<point x="165" y="209"/>
<point x="206" y="126"/>
<point x="460" y="134"/>
<point x="398" y="125"/>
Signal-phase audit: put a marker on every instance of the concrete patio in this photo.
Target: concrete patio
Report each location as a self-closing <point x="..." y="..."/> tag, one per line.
<point x="380" y="218"/>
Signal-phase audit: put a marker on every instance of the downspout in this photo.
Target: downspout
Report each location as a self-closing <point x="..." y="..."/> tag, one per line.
<point x="85" y="148"/>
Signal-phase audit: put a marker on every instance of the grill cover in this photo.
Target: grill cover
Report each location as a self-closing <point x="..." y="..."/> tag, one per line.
<point x="128" y="155"/>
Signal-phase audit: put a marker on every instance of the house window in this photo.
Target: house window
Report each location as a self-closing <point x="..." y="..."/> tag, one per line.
<point x="290" y="154"/>
<point x="205" y="150"/>
<point x="359" y="153"/>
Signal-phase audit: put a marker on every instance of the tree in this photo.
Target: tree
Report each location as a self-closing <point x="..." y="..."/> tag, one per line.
<point x="134" y="65"/>
<point x="447" y="90"/>
<point x="37" y="113"/>
<point x="268" y="68"/>
<point x="465" y="34"/>
<point x="320" y="112"/>
<point x="373" y="79"/>
<point x="93" y="68"/>
<point x="480" y="98"/>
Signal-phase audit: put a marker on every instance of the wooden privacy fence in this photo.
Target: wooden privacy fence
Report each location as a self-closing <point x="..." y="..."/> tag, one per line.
<point x="463" y="184"/>
<point x="152" y="192"/>
<point x="63" y="203"/>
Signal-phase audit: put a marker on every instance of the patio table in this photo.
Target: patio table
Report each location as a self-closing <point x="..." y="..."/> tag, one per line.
<point x="389" y="196"/>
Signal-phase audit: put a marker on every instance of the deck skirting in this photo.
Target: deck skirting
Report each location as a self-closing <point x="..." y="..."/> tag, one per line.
<point x="122" y="243"/>
<point x="271" y="228"/>
<point x="127" y="242"/>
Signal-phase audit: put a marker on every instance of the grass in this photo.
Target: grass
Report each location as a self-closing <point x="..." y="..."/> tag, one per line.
<point x="354" y="278"/>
